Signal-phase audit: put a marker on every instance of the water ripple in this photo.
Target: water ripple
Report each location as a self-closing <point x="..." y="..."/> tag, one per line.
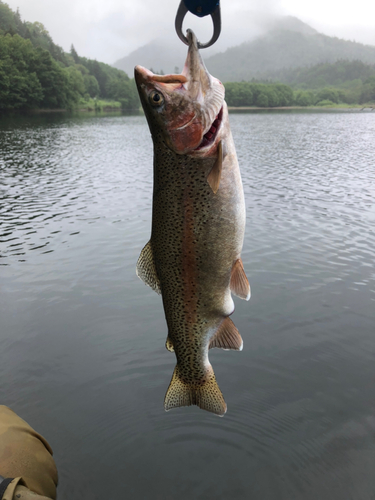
<point x="83" y="339"/>
<point x="55" y="180"/>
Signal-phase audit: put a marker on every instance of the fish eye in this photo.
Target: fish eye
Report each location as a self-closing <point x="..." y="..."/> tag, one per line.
<point x="156" y="98"/>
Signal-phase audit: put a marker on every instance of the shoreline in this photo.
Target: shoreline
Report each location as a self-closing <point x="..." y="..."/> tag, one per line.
<point x="305" y="108"/>
<point x="41" y="111"/>
<point x="353" y="107"/>
<point x="234" y="109"/>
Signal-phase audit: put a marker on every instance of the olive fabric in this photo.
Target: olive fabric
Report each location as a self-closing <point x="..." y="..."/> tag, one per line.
<point x="26" y="456"/>
<point x="8" y="494"/>
<point x="18" y="492"/>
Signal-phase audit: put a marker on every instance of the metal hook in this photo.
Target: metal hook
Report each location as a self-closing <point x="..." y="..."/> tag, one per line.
<point x="216" y="19"/>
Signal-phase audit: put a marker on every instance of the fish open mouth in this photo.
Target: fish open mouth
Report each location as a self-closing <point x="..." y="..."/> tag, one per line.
<point x="210" y="136"/>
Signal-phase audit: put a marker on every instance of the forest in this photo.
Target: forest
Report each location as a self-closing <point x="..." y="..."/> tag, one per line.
<point x="36" y="73"/>
<point x="350" y="82"/>
<point x="342" y="82"/>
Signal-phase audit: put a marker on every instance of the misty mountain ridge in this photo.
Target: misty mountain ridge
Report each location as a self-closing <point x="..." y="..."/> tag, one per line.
<point x="160" y="55"/>
<point x="287" y="43"/>
<point x="284" y="49"/>
<point x="288" y="23"/>
<point x="167" y="53"/>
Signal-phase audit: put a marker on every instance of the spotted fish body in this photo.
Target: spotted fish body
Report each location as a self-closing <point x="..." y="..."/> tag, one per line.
<point x="194" y="255"/>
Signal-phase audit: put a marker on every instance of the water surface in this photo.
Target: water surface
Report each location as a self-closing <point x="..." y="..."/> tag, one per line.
<point x="83" y="357"/>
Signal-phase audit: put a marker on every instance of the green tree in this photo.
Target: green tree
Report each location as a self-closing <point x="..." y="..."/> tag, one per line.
<point x="238" y="94"/>
<point x="285" y="94"/>
<point x="91" y="85"/>
<point x="262" y="100"/>
<point x="19" y="85"/>
<point x="324" y="102"/>
<point x="272" y="97"/>
<point x="7" y="20"/>
<point x="370" y="80"/>
<point x="74" y="54"/>
<point x="123" y="90"/>
<point x="53" y="80"/>
<point x="303" y="98"/>
<point x="368" y="91"/>
<point x="328" y="94"/>
<point x="76" y="84"/>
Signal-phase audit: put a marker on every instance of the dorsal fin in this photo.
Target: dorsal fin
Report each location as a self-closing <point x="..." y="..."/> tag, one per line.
<point x="227" y="337"/>
<point x="239" y="283"/>
<point x="214" y="176"/>
<point x="146" y="270"/>
<point x="169" y="344"/>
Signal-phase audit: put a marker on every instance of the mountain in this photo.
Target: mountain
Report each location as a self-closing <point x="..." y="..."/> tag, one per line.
<point x="286" y="43"/>
<point x="290" y="23"/>
<point x="159" y="55"/>
<point x="284" y="49"/>
<point x="167" y="52"/>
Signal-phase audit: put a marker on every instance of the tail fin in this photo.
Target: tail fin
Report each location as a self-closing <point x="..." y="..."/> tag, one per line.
<point x="207" y="396"/>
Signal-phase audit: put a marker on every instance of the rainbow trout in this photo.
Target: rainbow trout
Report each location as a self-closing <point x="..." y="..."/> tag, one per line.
<point x="193" y="258"/>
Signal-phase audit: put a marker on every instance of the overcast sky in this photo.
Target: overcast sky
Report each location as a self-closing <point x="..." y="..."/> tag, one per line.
<point x="107" y="30"/>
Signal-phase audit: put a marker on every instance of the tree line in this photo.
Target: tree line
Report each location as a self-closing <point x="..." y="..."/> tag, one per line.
<point x="258" y="94"/>
<point x="279" y="94"/>
<point x="351" y="82"/>
<point x="36" y="73"/>
<point x="321" y="75"/>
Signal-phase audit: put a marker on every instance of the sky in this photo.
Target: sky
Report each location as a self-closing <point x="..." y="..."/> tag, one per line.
<point x="107" y="30"/>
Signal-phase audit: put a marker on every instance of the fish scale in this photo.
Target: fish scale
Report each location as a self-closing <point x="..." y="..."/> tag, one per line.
<point x="198" y="220"/>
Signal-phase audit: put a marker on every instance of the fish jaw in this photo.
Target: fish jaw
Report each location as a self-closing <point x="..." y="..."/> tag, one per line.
<point x="208" y="92"/>
<point x="175" y="119"/>
<point x="188" y="105"/>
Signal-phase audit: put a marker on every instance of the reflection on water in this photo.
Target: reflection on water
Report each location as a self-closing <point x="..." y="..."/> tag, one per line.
<point x="54" y="178"/>
<point x="83" y="357"/>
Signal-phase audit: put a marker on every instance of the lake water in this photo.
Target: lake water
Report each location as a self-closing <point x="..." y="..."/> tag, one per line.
<point x="82" y="338"/>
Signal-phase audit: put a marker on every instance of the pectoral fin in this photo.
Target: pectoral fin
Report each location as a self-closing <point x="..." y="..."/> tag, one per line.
<point x="227" y="337"/>
<point x="146" y="270"/>
<point x="214" y="176"/>
<point x="169" y="344"/>
<point x="239" y="283"/>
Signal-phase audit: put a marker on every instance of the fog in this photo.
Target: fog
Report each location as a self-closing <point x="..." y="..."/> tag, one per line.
<point x="110" y="29"/>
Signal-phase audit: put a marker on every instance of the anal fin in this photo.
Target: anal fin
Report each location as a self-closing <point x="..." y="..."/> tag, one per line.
<point x="239" y="284"/>
<point x="169" y="344"/>
<point x="227" y="337"/>
<point x="146" y="269"/>
<point x="214" y="176"/>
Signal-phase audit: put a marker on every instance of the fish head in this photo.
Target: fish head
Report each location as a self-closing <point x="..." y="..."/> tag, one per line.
<point x="185" y="110"/>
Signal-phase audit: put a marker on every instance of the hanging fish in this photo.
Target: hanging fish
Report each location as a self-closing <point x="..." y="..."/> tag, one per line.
<point x="193" y="258"/>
